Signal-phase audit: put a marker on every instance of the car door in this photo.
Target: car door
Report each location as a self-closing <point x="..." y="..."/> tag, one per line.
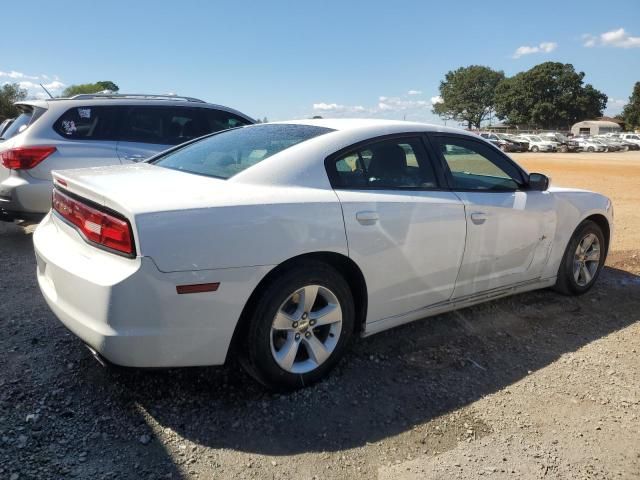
<point x="86" y="139"/>
<point x="404" y="231"/>
<point x="509" y="228"/>
<point x="148" y="130"/>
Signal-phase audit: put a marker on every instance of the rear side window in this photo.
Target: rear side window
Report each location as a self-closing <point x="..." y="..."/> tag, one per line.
<point x="87" y="123"/>
<point x="216" y="120"/>
<point x="23" y="121"/>
<point x="388" y="164"/>
<point x="162" y="125"/>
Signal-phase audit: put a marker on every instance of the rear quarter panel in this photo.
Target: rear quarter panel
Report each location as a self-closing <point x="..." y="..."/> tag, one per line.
<point x="265" y="232"/>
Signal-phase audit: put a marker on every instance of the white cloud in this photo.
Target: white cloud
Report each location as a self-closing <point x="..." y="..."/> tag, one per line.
<point x="386" y="106"/>
<point x="615" y="38"/>
<point x="414" y="92"/>
<point x="336" y="107"/>
<point x="436" y="99"/>
<point x="17" y="75"/>
<point x="31" y="83"/>
<point x="614" y="106"/>
<point x="544" y="47"/>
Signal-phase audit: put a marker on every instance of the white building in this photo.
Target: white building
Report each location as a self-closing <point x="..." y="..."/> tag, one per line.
<point x="595" y="127"/>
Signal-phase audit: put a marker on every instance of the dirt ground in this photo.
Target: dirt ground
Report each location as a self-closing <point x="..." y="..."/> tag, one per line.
<point x="533" y="386"/>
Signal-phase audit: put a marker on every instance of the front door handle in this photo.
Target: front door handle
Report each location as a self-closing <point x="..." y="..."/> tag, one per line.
<point x="367" y="217"/>
<point x="478" y="217"/>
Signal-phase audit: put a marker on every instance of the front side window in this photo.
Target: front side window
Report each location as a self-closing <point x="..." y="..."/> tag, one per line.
<point x="474" y="166"/>
<point x="227" y="153"/>
<point x="395" y="163"/>
<point x="87" y="123"/>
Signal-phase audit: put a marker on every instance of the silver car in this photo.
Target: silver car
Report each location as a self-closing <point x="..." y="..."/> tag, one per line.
<point x="94" y="130"/>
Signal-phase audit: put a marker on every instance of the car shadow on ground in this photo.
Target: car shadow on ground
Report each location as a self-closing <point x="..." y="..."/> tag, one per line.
<point x="389" y="382"/>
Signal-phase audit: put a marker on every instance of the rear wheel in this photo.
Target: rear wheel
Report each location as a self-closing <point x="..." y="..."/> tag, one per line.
<point x="583" y="260"/>
<point x="564" y="149"/>
<point x="299" y="328"/>
<point x="591" y="149"/>
<point x="534" y="149"/>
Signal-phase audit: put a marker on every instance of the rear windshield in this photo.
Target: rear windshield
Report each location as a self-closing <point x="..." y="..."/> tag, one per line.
<point x="227" y="153"/>
<point x="20" y="124"/>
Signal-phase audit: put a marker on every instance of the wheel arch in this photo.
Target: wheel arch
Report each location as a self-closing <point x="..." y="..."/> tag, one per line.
<point x="343" y="264"/>
<point x="603" y="223"/>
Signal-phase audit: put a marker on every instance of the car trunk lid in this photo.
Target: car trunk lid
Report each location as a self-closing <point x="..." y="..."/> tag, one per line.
<point x="139" y="188"/>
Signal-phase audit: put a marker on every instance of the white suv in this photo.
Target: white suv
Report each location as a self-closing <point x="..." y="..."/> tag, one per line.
<point x="630" y="137"/>
<point x="94" y="130"/>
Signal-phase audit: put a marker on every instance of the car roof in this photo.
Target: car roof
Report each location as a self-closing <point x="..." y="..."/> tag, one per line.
<point x="375" y="126"/>
<point x="134" y="100"/>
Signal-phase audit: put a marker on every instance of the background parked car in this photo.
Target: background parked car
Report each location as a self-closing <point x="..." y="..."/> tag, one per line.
<point x="94" y="130"/>
<point x="537" y="144"/>
<point x="564" y="144"/>
<point x="631" y="137"/>
<point x="503" y="142"/>
<point x="588" y="145"/>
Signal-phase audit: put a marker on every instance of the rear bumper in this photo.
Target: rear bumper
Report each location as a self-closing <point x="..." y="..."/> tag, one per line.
<point x="25" y="198"/>
<point x="129" y="312"/>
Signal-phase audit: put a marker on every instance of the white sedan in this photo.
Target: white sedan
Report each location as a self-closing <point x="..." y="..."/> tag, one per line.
<point x="538" y="144"/>
<point x="279" y="242"/>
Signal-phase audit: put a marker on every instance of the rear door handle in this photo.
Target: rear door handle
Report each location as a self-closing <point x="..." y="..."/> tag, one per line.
<point x="367" y="217"/>
<point x="478" y="217"/>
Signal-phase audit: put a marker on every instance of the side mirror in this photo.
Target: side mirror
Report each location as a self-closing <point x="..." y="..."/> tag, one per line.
<point x="538" y="182"/>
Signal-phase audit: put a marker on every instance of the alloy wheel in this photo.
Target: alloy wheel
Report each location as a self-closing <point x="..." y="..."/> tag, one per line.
<point x="586" y="259"/>
<point x="306" y="329"/>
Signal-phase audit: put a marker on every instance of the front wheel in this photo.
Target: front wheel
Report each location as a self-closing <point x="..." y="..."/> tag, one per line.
<point x="591" y="149"/>
<point x="534" y="149"/>
<point x="299" y="328"/>
<point x="583" y="260"/>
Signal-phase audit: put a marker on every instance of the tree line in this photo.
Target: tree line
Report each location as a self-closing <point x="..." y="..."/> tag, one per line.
<point x="551" y="95"/>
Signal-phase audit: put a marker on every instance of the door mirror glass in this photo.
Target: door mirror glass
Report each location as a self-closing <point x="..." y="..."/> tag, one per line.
<point x="538" y="182"/>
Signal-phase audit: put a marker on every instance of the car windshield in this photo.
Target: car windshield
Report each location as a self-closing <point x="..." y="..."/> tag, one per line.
<point x="535" y="138"/>
<point x="225" y="154"/>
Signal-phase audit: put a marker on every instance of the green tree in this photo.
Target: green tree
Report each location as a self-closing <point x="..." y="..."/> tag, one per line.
<point x="550" y="95"/>
<point x="631" y="111"/>
<point x="468" y="94"/>
<point x="10" y="93"/>
<point x="97" y="87"/>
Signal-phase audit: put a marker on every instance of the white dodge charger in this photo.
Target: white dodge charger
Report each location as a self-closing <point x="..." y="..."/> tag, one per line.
<point x="279" y="242"/>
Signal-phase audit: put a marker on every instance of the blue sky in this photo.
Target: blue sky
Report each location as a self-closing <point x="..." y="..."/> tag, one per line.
<point x="292" y="59"/>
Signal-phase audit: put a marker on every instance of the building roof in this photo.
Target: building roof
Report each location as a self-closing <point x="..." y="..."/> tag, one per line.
<point x="598" y="123"/>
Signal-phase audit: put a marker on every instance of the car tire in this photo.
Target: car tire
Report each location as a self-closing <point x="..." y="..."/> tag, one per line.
<point x="281" y="348"/>
<point x="580" y="266"/>
<point x="564" y="149"/>
<point x="535" y="149"/>
<point x="504" y="148"/>
<point x="591" y="149"/>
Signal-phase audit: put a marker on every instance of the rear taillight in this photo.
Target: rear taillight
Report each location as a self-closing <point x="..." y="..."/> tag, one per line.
<point x="24" y="158"/>
<point x="96" y="226"/>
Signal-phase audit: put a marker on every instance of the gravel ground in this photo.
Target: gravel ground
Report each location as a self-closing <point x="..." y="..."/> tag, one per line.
<point x="537" y="386"/>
